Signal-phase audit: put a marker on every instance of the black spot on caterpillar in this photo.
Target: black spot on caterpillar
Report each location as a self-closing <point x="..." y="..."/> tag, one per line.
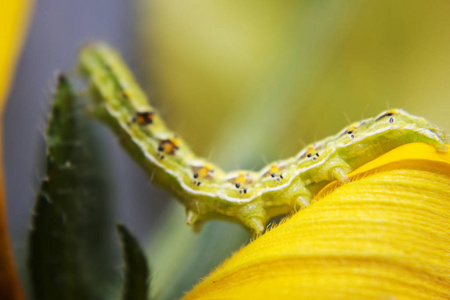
<point x="248" y="197"/>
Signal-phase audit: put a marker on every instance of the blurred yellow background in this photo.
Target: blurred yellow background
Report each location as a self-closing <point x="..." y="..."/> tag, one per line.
<point x="266" y="76"/>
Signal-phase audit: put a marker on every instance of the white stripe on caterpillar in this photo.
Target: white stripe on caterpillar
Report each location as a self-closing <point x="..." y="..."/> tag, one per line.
<point x="248" y="197"/>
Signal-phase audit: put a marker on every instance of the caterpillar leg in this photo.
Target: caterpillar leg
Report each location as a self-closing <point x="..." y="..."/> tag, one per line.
<point x="194" y="220"/>
<point x="256" y="225"/>
<point x="340" y="174"/>
<point x="192" y="217"/>
<point x="334" y="169"/>
<point x="253" y="216"/>
<point x="295" y="196"/>
<point x="301" y="202"/>
<point x="299" y="196"/>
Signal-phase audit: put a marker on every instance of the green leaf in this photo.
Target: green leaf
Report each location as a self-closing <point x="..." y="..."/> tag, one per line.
<point x="69" y="252"/>
<point x="136" y="283"/>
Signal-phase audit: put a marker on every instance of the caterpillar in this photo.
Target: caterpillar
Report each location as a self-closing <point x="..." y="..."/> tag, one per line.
<point x="247" y="197"/>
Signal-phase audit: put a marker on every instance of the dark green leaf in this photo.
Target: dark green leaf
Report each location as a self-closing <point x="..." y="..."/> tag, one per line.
<point x="136" y="284"/>
<point x="69" y="256"/>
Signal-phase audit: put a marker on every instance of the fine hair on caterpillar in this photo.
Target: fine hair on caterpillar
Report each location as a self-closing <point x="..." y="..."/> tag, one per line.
<point x="248" y="197"/>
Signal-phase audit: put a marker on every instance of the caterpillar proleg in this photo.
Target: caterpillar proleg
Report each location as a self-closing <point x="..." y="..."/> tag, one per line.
<point x="248" y="197"/>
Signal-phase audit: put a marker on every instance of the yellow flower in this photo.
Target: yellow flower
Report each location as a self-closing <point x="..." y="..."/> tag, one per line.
<point x="384" y="235"/>
<point x="13" y="15"/>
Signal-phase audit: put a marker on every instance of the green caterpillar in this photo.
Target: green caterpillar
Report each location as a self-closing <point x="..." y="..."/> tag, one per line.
<point x="248" y="197"/>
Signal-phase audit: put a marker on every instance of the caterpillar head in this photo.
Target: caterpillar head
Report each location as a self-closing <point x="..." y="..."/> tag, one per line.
<point x="399" y="116"/>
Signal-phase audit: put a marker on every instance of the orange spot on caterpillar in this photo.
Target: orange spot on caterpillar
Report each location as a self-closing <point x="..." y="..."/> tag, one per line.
<point x="309" y="152"/>
<point x="274" y="170"/>
<point x="143" y="118"/>
<point x="242" y="178"/>
<point x="201" y="171"/>
<point x="241" y="181"/>
<point x="350" y="130"/>
<point x="168" y="146"/>
<point x="205" y="171"/>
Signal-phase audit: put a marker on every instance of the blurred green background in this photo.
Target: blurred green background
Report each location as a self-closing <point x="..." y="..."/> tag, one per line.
<point x="296" y="70"/>
<point x="243" y="82"/>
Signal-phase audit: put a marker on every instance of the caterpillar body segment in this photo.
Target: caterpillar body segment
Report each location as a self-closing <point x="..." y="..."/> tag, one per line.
<point x="247" y="197"/>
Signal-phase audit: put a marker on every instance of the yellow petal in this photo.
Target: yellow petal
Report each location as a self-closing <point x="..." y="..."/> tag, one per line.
<point x="13" y="15"/>
<point x="385" y="235"/>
